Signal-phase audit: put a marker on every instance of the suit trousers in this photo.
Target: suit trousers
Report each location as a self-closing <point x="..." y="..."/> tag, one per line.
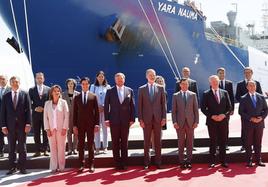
<point x="156" y="128"/>
<point x="38" y="126"/>
<point x="254" y="138"/>
<point x="185" y="139"/>
<point x="243" y="134"/>
<point x="103" y="130"/>
<point x="218" y="134"/>
<point x="17" y="134"/>
<point x="2" y="142"/>
<point x="81" y="145"/>
<point x="119" y="134"/>
<point x="57" y="150"/>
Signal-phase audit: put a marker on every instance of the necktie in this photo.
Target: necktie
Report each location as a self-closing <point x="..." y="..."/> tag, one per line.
<point x="85" y="98"/>
<point x="221" y="85"/>
<point x="1" y="92"/>
<point x="40" y="91"/>
<point x="216" y="97"/>
<point x="253" y="101"/>
<point x="151" y="92"/>
<point x="120" y="95"/>
<point x="184" y="98"/>
<point x="15" y="100"/>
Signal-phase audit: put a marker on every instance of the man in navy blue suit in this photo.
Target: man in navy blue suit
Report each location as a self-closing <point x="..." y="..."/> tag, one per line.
<point x="253" y="110"/>
<point x="119" y="114"/>
<point x="4" y="88"/>
<point x="16" y="123"/>
<point x="241" y="90"/>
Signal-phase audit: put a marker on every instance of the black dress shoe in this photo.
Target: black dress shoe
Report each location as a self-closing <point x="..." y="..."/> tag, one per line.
<point x="74" y="152"/>
<point x="23" y="171"/>
<point x="183" y="166"/>
<point x="37" y="154"/>
<point x="159" y="166"/>
<point x="189" y="165"/>
<point x="11" y="171"/>
<point x="91" y="168"/>
<point x="242" y="149"/>
<point x="260" y="164"/>
<point x="69" y="153"/>
<point x="1" y="155"/>
<point x="146" y="167"/>
<point x="225" y="165"/>
<point x="212" y="165"/>
<point x="124" y="167"/>
<point x="45" y="153"/>
<point x="80" y="170"/>
<point x="249" y="164"/>
<point x="227" y="148"/>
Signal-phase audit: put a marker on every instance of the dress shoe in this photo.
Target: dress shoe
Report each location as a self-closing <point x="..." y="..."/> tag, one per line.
<point x="37" y="154"/>
<point x="53" y="171"/>
<point x="80" y="170"/>
<point x="23" y="171"/>
<point x="242" y="149"/>
<point x="227" y="148"/>
<point x="117" y="168"/>
<point x="69" y="153"/>
<point x="194" y="149"/>
<point x="74" y="152"/>
<point x="212" y="165"/>
<point x="249" y="164"/>
<point x="183" y="166"/>
<point x="260" y="164"/>
<point x="124" y="167"/>
<point x="91" y="168"/>
<point x="45" y="153"/>
<point x="11" y="171"/>
<point x="105" y="150"/>
<point x="225" y="165"/>
<point x="145" y="167"/>
<point x="189" y="165"/>
<point x="97" y="152"/>
<point x="1" y="154"/>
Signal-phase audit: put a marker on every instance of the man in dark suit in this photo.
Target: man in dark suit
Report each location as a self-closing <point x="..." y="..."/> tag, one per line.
<point x="16" y="123"/>
<point x="253" y="110"/>
<point x="228" y="86"/>
<point x="216" y="106"/>
<point x="185" y="118"/>
<point x="85" y="122"/>
<point x="119" y="114"/>
<point x="152" y="111"/>
<point x="241" y="90"/>
<point x="39" y="94"/>
<point x="4" y="88"/>
<point x="192" y="83"/>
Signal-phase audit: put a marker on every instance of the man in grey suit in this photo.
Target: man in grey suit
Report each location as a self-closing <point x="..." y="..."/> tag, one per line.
<point x="185" y="118"/>
<point x="253" y="110"/>
<point x="152" y="111"/>
<point x="4" y="88"/>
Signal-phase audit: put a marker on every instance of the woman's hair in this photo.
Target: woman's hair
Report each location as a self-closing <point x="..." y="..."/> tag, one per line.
<point x="71" y="80"/>
<point x="105" y="82"/>
<point x="52" y="89"/>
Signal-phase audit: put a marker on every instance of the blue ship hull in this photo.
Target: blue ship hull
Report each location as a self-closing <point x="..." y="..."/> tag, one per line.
<point x="69" y="38"/>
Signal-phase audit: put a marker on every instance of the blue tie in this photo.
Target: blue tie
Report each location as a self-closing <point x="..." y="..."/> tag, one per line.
<point x="254" y="101"/>
<point x="184" y="98"/>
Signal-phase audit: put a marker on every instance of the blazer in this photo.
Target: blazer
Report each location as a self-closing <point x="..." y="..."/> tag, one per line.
<point x="85" y="116"/>
<point x="35" y="98"/>
<point x="116" y="112"/>
<point x="181" y="112"/>
<point x="247" y="110"/>
<point x="21" y="115"/>
<point x="62" y="113"/>
<point x="192" y="87"/>
<point x="7" y="89"/>
<point x="229" y="88"/>
<point x="210" y="106"/>
<point x="241" y="89"/>
<point x="148" y="109"/>
<point x="65" y="96"/>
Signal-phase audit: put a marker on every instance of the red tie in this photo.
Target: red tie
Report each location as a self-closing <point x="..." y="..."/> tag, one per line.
<point x="216" y="97"/>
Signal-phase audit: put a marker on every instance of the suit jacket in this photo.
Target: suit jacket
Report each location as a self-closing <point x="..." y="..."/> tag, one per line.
<point x="7" y="89"/>
<point x="65" y="96"/>
<point x="247" y="110"/>
<point x="210" y="106"/>
<point x="85" y="116"/>
<point x="148" y="109"/>
<point x="241" y="89"/>
<point x="182" y="112"/>
<point x="62" y="113"/>
<point x="21" y="115"/>
<point x="116" y="112"/>
<point x="229" y="88"/>
<point x="192" y="87"/>
<point x="36" y="100"/>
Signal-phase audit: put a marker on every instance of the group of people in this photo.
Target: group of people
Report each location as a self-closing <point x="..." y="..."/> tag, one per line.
<point x="74" y="115"/>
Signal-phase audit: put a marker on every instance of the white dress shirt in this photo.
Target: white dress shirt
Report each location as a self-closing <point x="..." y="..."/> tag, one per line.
<point x="120" y="91"/>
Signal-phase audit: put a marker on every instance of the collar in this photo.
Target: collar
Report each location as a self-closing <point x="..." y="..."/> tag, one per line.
<point x="13" y="92"/>
<point x="122" y="87"/>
